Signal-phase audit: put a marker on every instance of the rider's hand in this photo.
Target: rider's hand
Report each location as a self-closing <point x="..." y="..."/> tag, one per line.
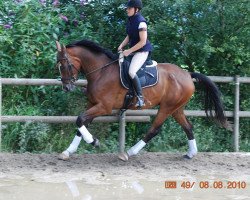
<point x="126" y="52"/>
<point x="119" y="48"/>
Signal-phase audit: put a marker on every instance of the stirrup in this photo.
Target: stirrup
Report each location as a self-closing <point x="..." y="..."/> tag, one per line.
<point x="140" y="103"/>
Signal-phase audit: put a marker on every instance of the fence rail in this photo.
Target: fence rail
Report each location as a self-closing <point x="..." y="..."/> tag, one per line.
<point x="131" y="116"/>
<point x="71" y="119"/>
<point x="128" y="116"/>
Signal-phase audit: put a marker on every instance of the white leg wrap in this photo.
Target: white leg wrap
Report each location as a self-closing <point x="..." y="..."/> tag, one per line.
<point x="192" y="150"/>
<point x="74" y="144"/>
<point x="136" y="148"/>
<point x="86" y="134"/>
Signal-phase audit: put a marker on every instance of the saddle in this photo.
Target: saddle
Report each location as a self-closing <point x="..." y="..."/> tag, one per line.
<point x="148" y="76"/>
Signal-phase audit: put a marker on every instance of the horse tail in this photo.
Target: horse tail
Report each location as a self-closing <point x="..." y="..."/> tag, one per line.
<point x="213" y="104"/>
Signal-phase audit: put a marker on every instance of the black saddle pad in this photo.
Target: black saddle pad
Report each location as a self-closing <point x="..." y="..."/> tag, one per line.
<point x="148" y="75"/>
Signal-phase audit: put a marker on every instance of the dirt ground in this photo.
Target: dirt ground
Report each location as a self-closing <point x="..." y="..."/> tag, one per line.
<point x="149" y="166"/>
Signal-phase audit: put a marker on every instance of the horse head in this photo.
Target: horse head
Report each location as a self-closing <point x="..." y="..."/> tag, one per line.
<point x="68" y="68"/>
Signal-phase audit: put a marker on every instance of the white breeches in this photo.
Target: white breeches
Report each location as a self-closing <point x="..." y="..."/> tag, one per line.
<point x="137" y="61"/>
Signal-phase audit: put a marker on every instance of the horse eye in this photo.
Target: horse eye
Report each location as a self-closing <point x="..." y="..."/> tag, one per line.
<point x="61" y="67"/>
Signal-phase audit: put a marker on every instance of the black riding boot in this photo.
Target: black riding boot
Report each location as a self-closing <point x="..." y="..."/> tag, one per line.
<point x="138" y="90"/>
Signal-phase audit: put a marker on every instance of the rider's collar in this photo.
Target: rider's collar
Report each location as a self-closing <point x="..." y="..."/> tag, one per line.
<point x="135" y="15"/>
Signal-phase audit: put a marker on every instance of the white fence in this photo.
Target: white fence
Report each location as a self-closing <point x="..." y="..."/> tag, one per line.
<point x="128" y="116"/>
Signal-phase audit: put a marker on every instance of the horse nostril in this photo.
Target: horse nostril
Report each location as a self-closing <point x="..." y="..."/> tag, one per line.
<point x="65" y="88"/>
<point x="73" y="87"/>
<point x="68" y="87"/>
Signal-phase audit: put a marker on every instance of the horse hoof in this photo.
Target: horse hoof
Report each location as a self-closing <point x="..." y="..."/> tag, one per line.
<point x="64" y="156"/>
<point x="96" y="143"/>
<point x="187" y="157"/>
<point x="123" y="156"/>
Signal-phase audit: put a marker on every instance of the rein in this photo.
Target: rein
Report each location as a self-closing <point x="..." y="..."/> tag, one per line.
<point x="121" y="57"/>
<point x="102" y="67"/>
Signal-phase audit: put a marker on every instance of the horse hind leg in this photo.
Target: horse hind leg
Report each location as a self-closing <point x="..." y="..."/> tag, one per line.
<point x="152" y="132"/>
<point x="180" y="117"/>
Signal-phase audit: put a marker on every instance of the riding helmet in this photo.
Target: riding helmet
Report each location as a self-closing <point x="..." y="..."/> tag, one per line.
<point x="134" y="4"/>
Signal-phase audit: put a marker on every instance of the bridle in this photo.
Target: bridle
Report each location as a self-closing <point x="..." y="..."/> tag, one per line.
<point x="70" y="67"/>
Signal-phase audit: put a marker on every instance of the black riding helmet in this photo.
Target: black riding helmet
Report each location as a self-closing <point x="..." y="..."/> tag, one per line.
<point x="134" y="4"/>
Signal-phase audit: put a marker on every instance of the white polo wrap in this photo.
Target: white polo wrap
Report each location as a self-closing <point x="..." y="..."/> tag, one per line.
<point x="86" y="134"/>
<point x="74" y="144"/>
<point x="136" y="148"/>
<point x="192" y="151"/>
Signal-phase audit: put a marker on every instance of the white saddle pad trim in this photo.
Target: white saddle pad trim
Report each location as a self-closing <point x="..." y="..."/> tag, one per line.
<point x="153" y="65"/>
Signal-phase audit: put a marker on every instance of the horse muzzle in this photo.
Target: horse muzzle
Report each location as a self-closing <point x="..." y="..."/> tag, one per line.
<point x="69" y="87"/>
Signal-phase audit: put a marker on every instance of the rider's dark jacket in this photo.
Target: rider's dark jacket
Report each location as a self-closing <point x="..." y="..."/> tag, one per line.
<point x="133" y="32"/>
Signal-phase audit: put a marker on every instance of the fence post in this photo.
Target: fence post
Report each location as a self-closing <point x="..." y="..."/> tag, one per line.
<point x="122" y="124"/>
<point x="236" y="114"/>
<point x="0" y="114"/>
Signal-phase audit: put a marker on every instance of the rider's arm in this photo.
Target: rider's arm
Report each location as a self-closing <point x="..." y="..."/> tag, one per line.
<point x="124" y="43"/>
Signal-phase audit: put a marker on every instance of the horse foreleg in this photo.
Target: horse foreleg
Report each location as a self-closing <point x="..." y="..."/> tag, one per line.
<point x="83" y="120"/>
<point x="180" y="117"/>
<point x="84" y="134"/>
<point x="71" y="149"/>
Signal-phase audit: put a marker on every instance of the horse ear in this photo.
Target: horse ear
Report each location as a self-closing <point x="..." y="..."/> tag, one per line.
<point x="63" y="48"/>
<point x="58" y="46"/>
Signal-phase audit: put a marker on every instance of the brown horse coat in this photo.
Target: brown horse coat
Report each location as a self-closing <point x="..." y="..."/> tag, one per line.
<point x="105" y="91"/>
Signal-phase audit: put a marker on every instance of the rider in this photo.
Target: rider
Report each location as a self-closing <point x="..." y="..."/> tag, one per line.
<point x="138" y="44"/>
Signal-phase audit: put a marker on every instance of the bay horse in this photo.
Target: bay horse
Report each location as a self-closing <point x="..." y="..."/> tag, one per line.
<point x="105" y="92"/>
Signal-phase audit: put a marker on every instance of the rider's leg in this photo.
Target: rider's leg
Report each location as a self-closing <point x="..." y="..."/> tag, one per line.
<point x="138" y="89"/>
<point x="137" y="61"/>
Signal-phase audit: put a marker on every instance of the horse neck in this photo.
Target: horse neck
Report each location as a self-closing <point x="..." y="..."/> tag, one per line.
<point x="91" y="62"/>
